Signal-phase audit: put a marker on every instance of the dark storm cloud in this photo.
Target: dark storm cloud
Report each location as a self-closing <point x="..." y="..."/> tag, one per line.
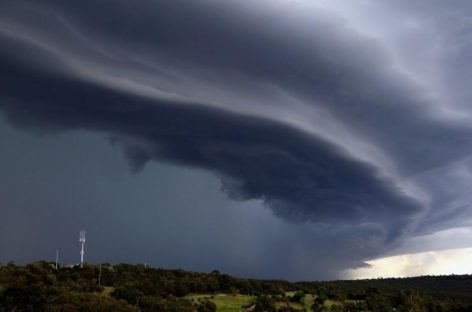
<point x="300" y="111"/>
<point x="300" y="176"/>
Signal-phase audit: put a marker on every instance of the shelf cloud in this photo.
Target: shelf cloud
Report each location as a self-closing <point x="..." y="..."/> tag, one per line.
<point x="304" y="107"/>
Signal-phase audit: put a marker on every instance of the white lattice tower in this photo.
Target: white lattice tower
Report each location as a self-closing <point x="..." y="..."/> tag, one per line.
<point x="82" y="242"/>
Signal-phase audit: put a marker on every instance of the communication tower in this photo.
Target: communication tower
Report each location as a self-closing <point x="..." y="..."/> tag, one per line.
<point x="82" y="242"/>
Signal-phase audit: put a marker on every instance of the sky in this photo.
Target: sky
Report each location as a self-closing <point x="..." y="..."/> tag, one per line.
<point x="272" y="139"/>
<point x="445" y="262"/>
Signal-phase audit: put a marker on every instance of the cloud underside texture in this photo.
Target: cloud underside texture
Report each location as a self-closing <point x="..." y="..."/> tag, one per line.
<point x="239" y="91"/>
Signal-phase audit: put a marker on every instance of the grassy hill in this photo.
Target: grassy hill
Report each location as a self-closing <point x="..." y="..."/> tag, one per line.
<point x="41" y="287"/>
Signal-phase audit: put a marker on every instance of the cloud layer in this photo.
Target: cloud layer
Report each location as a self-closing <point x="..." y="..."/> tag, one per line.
<point x="292" y="104"/>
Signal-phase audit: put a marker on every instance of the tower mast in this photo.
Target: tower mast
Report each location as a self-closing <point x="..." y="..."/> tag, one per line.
<point x="82" y="242"/>
<point x="57" y="257"/>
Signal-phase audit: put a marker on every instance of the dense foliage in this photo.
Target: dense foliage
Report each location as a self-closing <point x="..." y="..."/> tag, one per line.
<point x="42" y="287"/>
<point x="39" y="286"/>
<point x="425" y="293"/>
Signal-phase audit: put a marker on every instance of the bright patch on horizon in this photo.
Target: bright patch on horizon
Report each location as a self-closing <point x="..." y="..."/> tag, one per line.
<point x="442" y="262"/>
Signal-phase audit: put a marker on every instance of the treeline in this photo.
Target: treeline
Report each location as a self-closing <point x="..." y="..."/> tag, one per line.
<point x="438" y="286"/>
<point x="180" y="283"/>
<point x="425" y="293"/>
<point x="123" y="287"/>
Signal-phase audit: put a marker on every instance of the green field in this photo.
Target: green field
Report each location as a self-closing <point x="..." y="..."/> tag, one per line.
<point x="328" y="303"/>
<point x="226" y="302"/>
<point x="308" y="302"/>
<point x="305" y="306"/>
<point x="235" y="303"/>
<point x="107" y="291"/>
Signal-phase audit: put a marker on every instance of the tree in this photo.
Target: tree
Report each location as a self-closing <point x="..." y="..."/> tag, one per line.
<point x="206" y="306"/>
<point x="298" y="297"/>
<point x="265" y="303"/>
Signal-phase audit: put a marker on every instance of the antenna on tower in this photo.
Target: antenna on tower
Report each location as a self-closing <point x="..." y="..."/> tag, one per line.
<point x="82" y="242"/>
<point x="57" y="257"/>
